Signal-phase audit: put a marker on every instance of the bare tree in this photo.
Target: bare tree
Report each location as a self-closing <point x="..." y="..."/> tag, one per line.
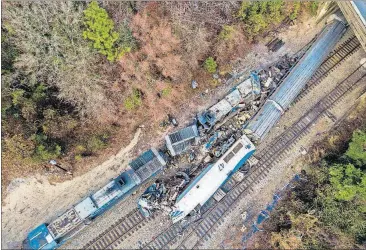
<point x="53" y="51"/>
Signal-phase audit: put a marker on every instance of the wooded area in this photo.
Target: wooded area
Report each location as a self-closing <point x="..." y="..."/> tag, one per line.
<point x="77" y="76"/>
<point x="326" y="208"/>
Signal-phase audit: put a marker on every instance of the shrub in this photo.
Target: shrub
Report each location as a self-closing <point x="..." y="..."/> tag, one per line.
<point x="17" y="96"/>
<point x="295" y="11"/>
<point x="134" y="100"/>
<point x="166" y="91"/>
<point x="210" y="65"/>
<point x="95" y="143"/>
<point x="357" y="148"/>
<point x="78" y="157"/>
<point x="226" y="32"/>
<point x="314" y="5"/>
<point x="126" y="39"/>
<point x="46" y="154"/>
<point x="258" y="15"/>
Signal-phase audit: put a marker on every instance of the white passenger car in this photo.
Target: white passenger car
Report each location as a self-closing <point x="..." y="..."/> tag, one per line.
<point x="212" y="178"/>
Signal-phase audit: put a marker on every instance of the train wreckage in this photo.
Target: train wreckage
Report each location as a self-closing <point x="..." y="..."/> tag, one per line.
<point x="227" y="129"/>
<point x="218" y="145"/>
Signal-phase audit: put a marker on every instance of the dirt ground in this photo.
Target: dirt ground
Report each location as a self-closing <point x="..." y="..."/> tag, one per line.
<point x="35" y="199"/>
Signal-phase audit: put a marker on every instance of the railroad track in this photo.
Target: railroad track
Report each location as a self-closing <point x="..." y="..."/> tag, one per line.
<point x="127" y="225"/>
<point x="333" y="61"/>
<point x="269" y="157"/>
<point x="115" y="234"/>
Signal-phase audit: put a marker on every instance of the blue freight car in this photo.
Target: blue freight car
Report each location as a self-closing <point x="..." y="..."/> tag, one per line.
<point x="54" y="234"/>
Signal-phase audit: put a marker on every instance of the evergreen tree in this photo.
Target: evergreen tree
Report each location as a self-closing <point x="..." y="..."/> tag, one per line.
<point x="100" y="30"/>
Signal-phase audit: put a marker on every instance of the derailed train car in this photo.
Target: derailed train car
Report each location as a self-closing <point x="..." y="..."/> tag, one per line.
<point x="204" y="186"/>
<point x="54" y="234"/>
<point x="247" y="90"/>
<point x="214" y="176"/>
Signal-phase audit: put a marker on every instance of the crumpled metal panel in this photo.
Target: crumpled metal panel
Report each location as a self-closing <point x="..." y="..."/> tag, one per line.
<point x="245" y="87"/>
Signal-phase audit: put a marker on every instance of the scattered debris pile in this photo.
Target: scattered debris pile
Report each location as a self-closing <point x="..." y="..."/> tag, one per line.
<point x="215" y="131"/>
<point x="271" y="76"/>
<point x="162" y="194"/>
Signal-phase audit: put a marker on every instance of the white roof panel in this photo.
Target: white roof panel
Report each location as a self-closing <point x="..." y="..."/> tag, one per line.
<point x="245" y="87"/>
<point x="85" y="208"/>
<point x="206" y="184"/>
<point x="234" y="98"/>
<point x="106" y="194"/>
<point x="221" y="109"/>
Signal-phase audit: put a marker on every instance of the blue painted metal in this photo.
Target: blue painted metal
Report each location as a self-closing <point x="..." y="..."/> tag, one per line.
<point x="212" y="140"/>
<point x="291" y="87"/>
<point x="262" y="217"/>
<point x="142" y="160"/>
<point x="207" y="119"/>
<point x="264" y="214"/>
<point x="144" y="167"/>
<point x="256" y="85"/>
<point x="39" y="238"/>
<point x="360" y="6"/>
<point x="121" y="190"/>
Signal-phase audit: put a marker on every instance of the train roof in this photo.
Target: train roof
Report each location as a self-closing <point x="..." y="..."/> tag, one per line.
<point x="148" y="164"/>
<point x="221" y="109"/>
<point x="85" y="208"/>
<point x="114" y="189"/>
<point x="206" y="183"/>
<point x="64" y="224"/>
<point x="39" y="238"/>
<point x="296" y="80"/>
<point x="179" y="141"/>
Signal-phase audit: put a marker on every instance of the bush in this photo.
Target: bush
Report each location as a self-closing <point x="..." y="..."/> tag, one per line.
<point x="314" y="5"/>
<point x="258" y="15"/>
<point x="357" y="148"/>
<point x="95" y="143"/>
<point x="226" y="32"/>
<point x="134" y="100"/>
<point x="166" y="91"/>
<point x="333" y="196"/>
<point x="126" y="39"/>
<point x="295" y="11"/>
<point x="210" y="65"/>
<point x="52" y="51"/>
<point x="46" y="154"/>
